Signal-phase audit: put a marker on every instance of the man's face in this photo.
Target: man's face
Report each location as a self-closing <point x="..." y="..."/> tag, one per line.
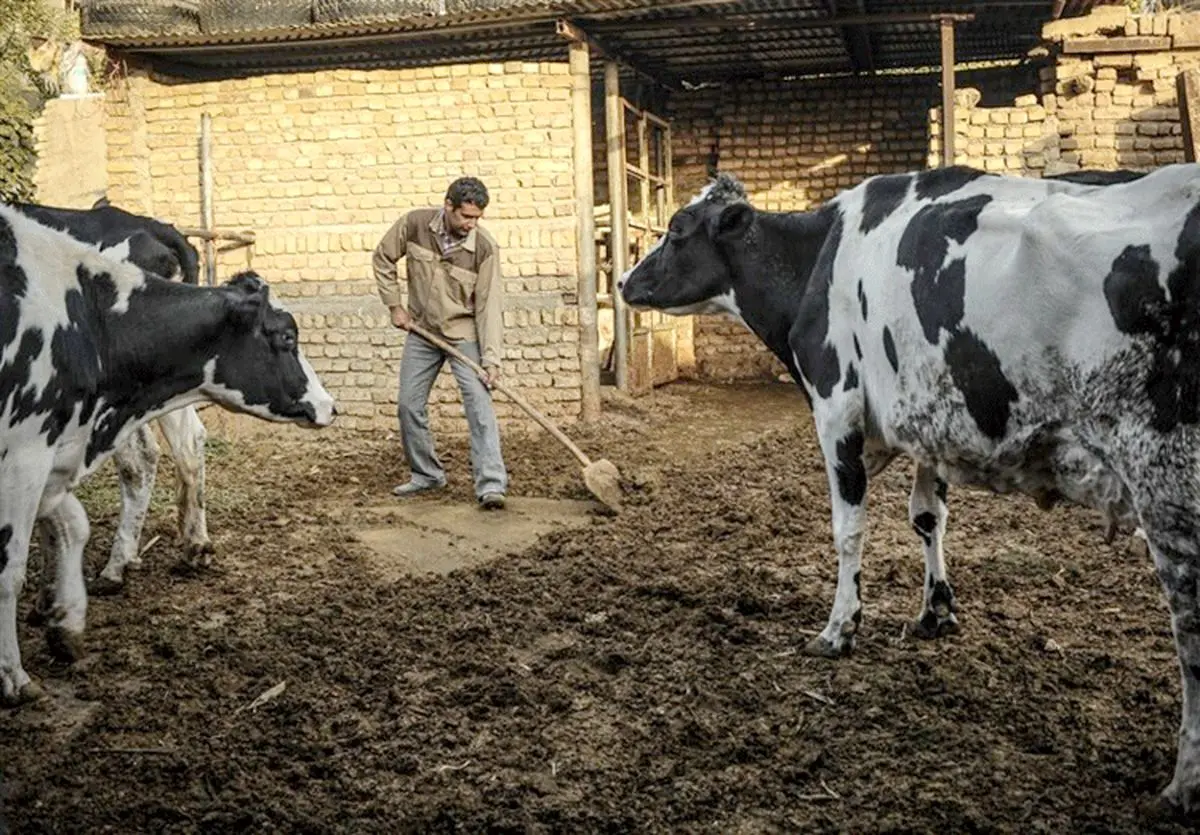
<point x="462" y="219"/>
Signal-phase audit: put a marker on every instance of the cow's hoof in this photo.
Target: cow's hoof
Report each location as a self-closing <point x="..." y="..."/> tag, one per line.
<point x="929" y="626"/>
<point x="1163" y="808"/>
<point x="822" y="648"/>
<point x="65" y="646"/>
<point x="1176" y="802"/>
<point x="29" y="692"/>
<point x="1139" y="548"/>
<point x="105" y="586"/>
<point x="199" y="554"/>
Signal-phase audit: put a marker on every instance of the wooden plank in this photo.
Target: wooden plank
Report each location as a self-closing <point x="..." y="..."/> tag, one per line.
<point x="206" y="198"/>
<point x="1188" y="85"/>
<point x="579" y="62"/>
<point x="947" y="27"/>
<point x="614" y="128"/>
<point x="1095" y="46"/>
<point x="244" y="238"/>
<point x="656" y="120"/>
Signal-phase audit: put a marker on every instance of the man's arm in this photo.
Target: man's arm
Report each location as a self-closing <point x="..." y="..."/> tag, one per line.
<point x="489" y="312"/>
<point x="387" y="255"/>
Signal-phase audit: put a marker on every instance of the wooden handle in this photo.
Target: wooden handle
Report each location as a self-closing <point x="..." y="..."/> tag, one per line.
<point x="510" y="393"/>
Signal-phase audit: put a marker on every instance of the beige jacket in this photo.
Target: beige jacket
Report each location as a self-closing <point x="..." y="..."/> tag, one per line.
<point x="459" y="296"/>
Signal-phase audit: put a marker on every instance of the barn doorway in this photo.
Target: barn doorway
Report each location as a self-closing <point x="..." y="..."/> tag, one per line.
<point x="654" y="348"/>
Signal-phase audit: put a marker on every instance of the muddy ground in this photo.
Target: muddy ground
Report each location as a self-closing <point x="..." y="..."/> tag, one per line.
<point x="636" y="674"/>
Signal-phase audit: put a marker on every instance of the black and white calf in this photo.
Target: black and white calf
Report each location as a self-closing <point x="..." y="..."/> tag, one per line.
<point x="91" y="349"/>
<point x="1041" y="336"/>
<point x="159" y="248"/>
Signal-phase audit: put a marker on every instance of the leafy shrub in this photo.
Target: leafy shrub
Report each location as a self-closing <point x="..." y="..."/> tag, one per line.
<point x="23" y="24"/>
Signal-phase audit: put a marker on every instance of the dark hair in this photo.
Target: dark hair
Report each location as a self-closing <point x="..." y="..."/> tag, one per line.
<point x="467" y="190"/>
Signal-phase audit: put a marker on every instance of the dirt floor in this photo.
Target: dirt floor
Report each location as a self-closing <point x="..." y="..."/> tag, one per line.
<point x="352" y="664"/>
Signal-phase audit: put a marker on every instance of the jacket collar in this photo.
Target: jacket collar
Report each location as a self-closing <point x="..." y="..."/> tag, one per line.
<point x="438" y="226"/>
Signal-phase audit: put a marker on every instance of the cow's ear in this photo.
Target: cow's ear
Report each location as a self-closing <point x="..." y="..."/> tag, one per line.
<point x="733" y="222"/>
<point x="247" y="296"/>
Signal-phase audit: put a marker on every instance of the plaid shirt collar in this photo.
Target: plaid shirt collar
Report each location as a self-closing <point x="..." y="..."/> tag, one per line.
<point x="448" y="241"/>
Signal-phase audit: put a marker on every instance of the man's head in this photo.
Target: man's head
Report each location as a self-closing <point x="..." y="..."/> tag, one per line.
<point x="466" y="199"/>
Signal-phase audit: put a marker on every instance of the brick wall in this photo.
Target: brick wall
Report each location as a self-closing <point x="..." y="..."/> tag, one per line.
<point x="319" y="165"/>
<point x="1105" y="99"/>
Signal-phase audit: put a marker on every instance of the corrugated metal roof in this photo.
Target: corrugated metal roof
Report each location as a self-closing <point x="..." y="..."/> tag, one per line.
<point x="675" y="41"/>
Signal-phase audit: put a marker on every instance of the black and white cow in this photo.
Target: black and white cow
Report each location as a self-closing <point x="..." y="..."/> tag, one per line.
<point x="159" y="248"/>
<point x="154" y="246"/>
<point x="1041" y="336"/>
<point x="90" y="349"/>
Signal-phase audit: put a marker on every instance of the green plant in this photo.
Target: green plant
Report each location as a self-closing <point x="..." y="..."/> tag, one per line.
<point x="17" y="154"/>
<point x="23" y="25"/>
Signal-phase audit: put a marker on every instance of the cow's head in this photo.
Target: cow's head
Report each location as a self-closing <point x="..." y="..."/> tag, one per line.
<point x="688" y="270"/>
<point x="258" y="367"/>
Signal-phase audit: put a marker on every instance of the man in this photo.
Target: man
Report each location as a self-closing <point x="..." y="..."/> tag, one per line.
<point x="454" y="291"/>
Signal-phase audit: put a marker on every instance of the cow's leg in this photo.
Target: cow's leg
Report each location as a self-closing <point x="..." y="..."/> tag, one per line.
<point x="22" y="478"/>
<point x="185" y="436"/>
<point x="43" y="604"/>
<point x="842" y="444"/>
<point x="1173" y="532"/>
<point x="137" y="463"/>
<point x="927" y="512"/>
<point x="64" y="528"/>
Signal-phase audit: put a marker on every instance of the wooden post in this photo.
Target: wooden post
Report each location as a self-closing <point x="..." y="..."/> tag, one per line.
<point x="1187" y="84"/>
<point x="643" y="130"/>
<point x="614" y="122"/>
<point x="585" y="228"/>
<point x="206" y="198"/>
<point x="947" y="25"/>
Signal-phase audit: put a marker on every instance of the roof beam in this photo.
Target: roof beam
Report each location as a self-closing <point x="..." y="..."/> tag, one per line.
<point x="778" y="21"/>
<point x="572" y="31"/>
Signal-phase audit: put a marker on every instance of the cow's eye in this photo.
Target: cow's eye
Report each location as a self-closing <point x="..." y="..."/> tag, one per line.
<point x="284" y="340"/>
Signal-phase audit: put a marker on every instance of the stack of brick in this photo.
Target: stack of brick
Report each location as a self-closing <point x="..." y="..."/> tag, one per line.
<point x="1113" y="92"/>
<point x="320" y="164"/>
<point x="1011" y="140"/>
<point x="1106" y="98"/>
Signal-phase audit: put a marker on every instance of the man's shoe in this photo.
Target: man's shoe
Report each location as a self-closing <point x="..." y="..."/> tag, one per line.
<point x="492" y="501"/>
<point x="412" y="488"/>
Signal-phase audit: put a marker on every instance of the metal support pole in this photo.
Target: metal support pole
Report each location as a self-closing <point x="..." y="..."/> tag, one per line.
<point x="206" y="199"/>
<point x="614" y="121"/>
<point x="947" y="25"/>
<point x="585" y="229"/>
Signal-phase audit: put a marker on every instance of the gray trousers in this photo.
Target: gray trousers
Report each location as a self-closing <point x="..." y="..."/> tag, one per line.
<point x="419" y="367"/>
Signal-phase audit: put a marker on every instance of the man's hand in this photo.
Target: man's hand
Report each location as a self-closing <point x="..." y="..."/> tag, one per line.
<point x="491" y="376"/>
<point x="400" y="317"/>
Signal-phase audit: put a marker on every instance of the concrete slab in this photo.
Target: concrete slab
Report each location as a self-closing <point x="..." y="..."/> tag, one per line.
<point x="422" y="536"/>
